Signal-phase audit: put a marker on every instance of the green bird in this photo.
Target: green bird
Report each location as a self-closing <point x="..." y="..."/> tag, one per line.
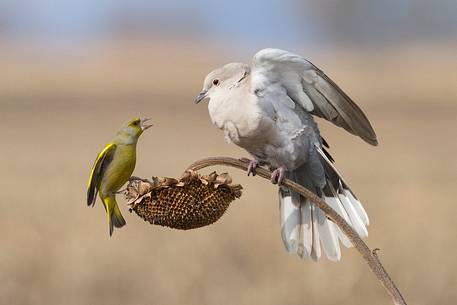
<point x="112" y="169"/>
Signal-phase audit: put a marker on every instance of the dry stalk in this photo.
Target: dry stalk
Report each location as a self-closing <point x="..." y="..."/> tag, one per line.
<point x="368" y="255"/>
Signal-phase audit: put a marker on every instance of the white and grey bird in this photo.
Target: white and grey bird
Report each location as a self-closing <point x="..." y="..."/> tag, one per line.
<point x="267" y="108"/>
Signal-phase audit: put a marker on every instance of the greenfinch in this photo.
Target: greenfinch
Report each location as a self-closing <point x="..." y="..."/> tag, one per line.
<point x="112" y="169"/>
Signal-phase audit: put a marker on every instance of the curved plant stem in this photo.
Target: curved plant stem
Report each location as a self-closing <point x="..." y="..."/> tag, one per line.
<point x="368" y="255"/>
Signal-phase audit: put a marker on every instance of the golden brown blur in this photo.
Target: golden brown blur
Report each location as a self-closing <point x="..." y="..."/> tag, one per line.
<point x="58" y="109"/>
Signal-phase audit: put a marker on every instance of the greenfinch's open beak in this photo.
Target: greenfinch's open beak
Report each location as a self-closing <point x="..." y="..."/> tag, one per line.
<point x="201" y="96"/>
<point x="145" y="126"/>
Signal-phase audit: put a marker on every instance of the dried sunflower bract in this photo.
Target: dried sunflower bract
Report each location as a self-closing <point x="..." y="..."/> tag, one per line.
<point x="191" y="202"/>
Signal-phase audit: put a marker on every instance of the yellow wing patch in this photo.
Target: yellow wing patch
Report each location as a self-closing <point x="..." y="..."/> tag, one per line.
<point x="96" y="173"/>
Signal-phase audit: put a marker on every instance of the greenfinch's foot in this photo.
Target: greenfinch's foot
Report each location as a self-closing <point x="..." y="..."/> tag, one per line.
<point x="121" y="191"/>
<point x="133" y="178"/>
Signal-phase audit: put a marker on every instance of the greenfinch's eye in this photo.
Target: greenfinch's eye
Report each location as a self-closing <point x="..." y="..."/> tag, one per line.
<point x="216" y="82"/>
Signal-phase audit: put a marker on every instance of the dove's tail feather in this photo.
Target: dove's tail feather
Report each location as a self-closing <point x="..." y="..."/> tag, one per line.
<point x="306" y="230"/>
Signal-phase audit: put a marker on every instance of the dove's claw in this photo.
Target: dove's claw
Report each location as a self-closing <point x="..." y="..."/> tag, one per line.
<point x="252" y="167"/>
<point x="278" y="175"/>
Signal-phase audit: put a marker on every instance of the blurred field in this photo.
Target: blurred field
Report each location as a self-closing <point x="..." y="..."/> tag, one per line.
<point x="57" y="112"/>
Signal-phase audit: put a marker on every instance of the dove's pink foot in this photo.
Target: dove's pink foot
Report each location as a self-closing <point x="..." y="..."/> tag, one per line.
<point x="253" y="164"/>
<point x="278" y="175"/>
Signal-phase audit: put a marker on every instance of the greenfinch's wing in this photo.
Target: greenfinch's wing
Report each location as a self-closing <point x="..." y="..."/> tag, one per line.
<point x="100" y="163"/>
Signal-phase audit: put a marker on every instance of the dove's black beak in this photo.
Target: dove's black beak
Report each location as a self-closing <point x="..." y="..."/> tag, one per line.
<point x="201" y="97"/>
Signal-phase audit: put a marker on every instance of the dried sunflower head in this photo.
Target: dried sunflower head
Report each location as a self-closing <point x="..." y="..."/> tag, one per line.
<point x="191" y="202"/>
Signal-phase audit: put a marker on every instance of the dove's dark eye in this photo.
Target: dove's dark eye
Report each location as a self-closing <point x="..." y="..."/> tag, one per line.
<point x="216" y="82"/>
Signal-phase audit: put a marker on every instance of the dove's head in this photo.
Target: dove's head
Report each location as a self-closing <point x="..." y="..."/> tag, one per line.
<point x="218" y="81"/>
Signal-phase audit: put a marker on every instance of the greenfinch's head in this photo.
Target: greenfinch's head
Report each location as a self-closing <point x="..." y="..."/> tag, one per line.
<point x="139" y="124"/>
<point x="135" y="127"/>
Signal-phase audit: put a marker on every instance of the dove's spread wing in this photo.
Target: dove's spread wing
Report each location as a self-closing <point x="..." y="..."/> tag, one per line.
<point x="97" y="172"/>
<point x="310" y="88"/>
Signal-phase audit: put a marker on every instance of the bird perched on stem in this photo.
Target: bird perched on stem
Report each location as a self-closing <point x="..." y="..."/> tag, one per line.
<point x="113" y="167"/>
<point x="267" y="108"/>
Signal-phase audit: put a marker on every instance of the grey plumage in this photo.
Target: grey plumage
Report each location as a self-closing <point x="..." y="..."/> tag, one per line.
<point x="267" y="108"/>
<point x="329" y="101"/>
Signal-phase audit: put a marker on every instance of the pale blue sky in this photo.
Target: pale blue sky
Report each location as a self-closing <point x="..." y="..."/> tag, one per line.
<point x="255" y="23"/>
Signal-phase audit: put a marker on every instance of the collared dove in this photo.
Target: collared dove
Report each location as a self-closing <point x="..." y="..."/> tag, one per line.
<point x="267" y="108"/>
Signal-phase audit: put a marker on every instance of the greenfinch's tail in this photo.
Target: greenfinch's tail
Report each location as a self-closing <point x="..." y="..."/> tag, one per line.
<point x="115" y="218"/>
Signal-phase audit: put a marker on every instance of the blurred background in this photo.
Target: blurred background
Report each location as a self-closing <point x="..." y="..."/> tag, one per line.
<point x="72" y="72"/>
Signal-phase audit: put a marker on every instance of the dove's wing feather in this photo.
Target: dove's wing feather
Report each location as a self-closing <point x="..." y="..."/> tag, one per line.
<point x="310" y="88"/>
